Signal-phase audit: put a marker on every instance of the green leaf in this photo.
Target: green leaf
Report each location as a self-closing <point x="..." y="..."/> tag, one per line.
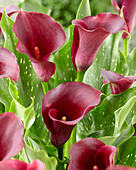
<point x="100" y="122"/>
<point x="13" y="91"/>
<point x="34" y="6"/>
<point x="27" y="115"/>
<point x="127" y="153"/>
<point x="108" y="57"/>
<point x="122" y="113"/>
<point x="126" y="134"/>
<point x="132" y="65"/>
<point x="51" y="150"/>
<point x="28" y="85"/>
<point x="17" y="108"/>
<point x="108" y="140"/>
<point x="5" y="97"/>
<point x="6" y="26"/>
<point x="65" y="70"/>
<point x="83" y="9"/>
<point x="50" y="162"/>
<point x="38" y="144"/>
<point x="2" y="108"/>
<point x="30" y="153"/>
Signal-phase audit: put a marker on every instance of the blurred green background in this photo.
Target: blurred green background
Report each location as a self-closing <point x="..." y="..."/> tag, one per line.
<point x="64" y="11"/>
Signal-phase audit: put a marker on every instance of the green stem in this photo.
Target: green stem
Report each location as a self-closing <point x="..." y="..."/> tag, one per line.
<point x="45" y="87"/>
<point x="73" y="136"/>
<point x="80" y="76"/>
<point x="60" y="153"/>
<point x="125" y="43"/>
<point x="66" y="149"/>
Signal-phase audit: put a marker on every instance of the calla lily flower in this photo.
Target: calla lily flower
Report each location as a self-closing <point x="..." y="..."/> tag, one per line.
<point x="38" y="36"/>
<point x="89" y="34"/>
<point x="64" y="106"/>
<point x="120" y="167"/>
<point x="8" y="65"/>
<point x="9" y="10"/>
<point x="91" y="153"/>
<point x="19" y="165"/>
<point x="129" y="12"/>
<point x="11" y="135"/>
<point x="117" y="82"/>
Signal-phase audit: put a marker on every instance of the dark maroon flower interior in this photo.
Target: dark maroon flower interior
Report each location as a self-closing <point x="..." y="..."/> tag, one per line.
<point x="36" y="38"/>
<point x="91" y="153"/>
<point x="65" y="105"/>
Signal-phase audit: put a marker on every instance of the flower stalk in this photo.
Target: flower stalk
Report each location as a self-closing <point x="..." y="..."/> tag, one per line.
<point x="45" y="87"/>
<point x="125" y="44"/>
<point x="80" y="76"/>
<point x="60" y="152"/>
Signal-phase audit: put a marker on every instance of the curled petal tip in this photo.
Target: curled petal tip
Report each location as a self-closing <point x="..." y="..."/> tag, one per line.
<point x="117" y="82"/>
<point x="129" y="13"/>
<point x="89" y="34"/>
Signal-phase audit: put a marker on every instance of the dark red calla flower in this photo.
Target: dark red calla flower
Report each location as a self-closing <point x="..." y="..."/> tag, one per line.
<point x="117" y="82"/>
<point x="8" y="65"/>
<point x="129" y="12"/>
<point x="89" y="34"/>
<point x="15" y="164"/>
<point x="11" y="135"/>
<point x="9" y="10"/>
<point x="38" y="36"/>
<point x="64" y="106"/>
<point x="91" y="153"/>
<point x="120" y="167"/>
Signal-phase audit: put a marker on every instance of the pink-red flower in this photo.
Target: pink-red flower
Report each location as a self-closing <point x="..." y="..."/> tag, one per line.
<point x="11" y="135"/>
<point x="64" y="106"/>
<point x="19" y="165"/>
<point x="8" y="65"/>
<point x="129" y="12"/>
<point x="117" y="82"/>
<point x="9" y="10"/>
<point x="91" y="153"/>
<point x="38" y="36"/>
<point x="89" y="34"/>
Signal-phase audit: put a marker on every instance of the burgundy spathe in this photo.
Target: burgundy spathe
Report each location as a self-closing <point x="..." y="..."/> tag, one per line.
<point x="8" y="65"/>
<point x="15" y="164"/>
<point x="91" y="153"/>
<point x="38" y="36"/>
<point x="129" y="13"/>
<point x="11" y="135"/>
<point x="89" y="34"/>
<point x="117" y="82"/>
<point x="64" y="106"/>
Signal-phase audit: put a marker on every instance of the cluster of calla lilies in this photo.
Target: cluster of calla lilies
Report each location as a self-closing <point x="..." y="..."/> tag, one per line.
<point x="39" y="35"/>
